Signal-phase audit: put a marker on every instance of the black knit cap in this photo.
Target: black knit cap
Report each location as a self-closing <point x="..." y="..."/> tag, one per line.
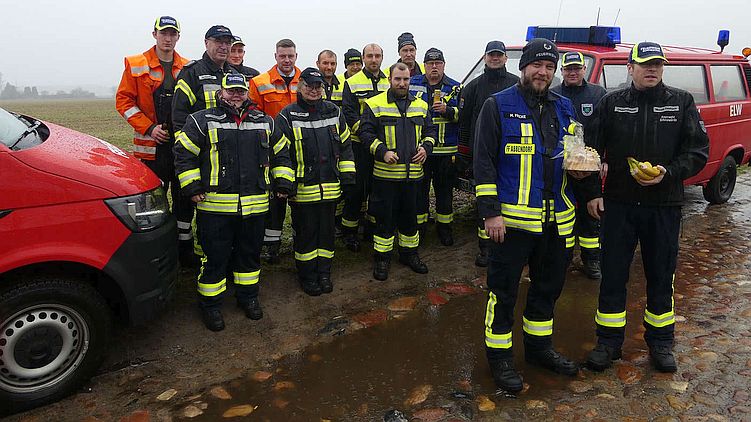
<point x="406" y="39"/>
<point x="538" y="49"/>
<point x="352" y="56"/>
<point x="433" y="54"/>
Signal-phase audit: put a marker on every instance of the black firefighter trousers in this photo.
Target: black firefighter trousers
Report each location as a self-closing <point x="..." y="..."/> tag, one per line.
<point x="230" y="243"/>
<point x="394" y="206"/>
<point x="441" y="171"/>
<point x="358" y="195"/>
<point x="313" y="225"/>
<point x="548" y="259"/>
<point x="656" y="229"/>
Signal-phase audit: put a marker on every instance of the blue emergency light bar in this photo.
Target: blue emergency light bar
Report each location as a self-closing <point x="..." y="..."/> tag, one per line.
<point x="594" y="35"/>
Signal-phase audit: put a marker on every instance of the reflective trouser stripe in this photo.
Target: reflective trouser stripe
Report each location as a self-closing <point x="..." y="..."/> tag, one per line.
<point x="183" y="225"/>
<point x="494" y="341"/>
<point x="409" y="241"/>
<point x="317" y="253"/>
<point x="570" y="242"/>
<point x="272" y="235"/>
<point x="589" y="242"/>
<point x="212" y="289"/>
<point x="444" y="218"/>
<point x="422" y="218"/>
<point x="538" y="328"/>
<point x="616" y="320"/>
<point x="482" y="234"/>
<point x="659" y="321"/>
<point x="381" y="244"/>
<point x="246" y="279"/>
<point x="349" y="223"/>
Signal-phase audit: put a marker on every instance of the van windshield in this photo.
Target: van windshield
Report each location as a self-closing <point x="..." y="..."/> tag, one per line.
<point x="17" y="132"/>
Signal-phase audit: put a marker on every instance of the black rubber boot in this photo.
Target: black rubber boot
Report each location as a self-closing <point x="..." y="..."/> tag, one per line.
<point x="413" y="261"/>
<point x="325" y="282"/>
<point x="551" y="360"/>
<point x="591" y="269"/>
<point x="602" y="357"/>
<point x="445" y="234"/>
<point x="505" y="376"/>
<point x="663" y="359"/>
<point x="311" y="287"/>
<point x="212" y="319"/>
<point x="381" y="267"/>
<point x="351" y="241"/>
<point x="252" y="308"/>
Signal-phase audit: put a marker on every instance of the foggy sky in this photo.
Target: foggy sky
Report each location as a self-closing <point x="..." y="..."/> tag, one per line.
<point x="78" y="42"/>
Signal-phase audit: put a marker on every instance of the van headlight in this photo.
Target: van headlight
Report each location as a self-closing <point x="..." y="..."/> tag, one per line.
<point x="143" y="212"/>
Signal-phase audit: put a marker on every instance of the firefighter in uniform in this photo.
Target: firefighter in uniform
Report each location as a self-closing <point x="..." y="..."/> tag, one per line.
<point x="370" y="81"/>
<point x="652" y="122"/>
<point x="226" y="158"/>
<point x="352" y="63"/>
<point x="585" y="97"/>
<point x="523" y="195"/>
<point x="321" y="155"/>
<point x="407" y="49"/>
<point x="495" y="78"/>
<point x="236" y="57"/>
<point x="440" y="166"/>
<point x="397" y="129"/>
<point x="195" y="90"/>
<point x="144" y="99"/>
<point x="272" y="91"/>
<point x="333" y="84"/>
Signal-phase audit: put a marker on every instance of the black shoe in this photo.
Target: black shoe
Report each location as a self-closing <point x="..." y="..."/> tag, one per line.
<point x="552" y="360"/>
<point x="272" y="252"/>
<point x="325" y="282"/>
<point x="212" y="319"/>
<point x="505" y="376"/>
<point x="252" y="308"/>
<point x="351" y="242"/>
<point x="602" y="357"/>
<point x="592" y="269"/>
<point x="413" y="261"/>
<point x="381" y="269"/>
<point x="311" y="288"/>
<point x="663" y="359"/>
<point x="481" y="260"/>
<point x="445" y="234"/>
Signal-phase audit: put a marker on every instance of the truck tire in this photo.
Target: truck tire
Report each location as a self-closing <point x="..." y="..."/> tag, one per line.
<point x="720" y="186"/>
<point x="53" y="337"/>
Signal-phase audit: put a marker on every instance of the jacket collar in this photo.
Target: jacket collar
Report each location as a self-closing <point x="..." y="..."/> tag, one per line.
<point x="153" y="59"/>
<point x="212" y="66"/>
<point x="391" y="99"/>
<point x="381" y="75"/>
<point x="659" y="91"/>
<point x="274" y="75"/>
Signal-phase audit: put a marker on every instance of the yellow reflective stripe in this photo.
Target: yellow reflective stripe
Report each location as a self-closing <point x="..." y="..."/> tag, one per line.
<point x="522" y="211"/>
<point x="322" y="192"/>
<point x="346" y="166"/>
<point x="525" y="167"/>
<point x="662" y="320"/>
<point x="246" y="279"/>
<point x="445" y="150"/>
<point x="494" y="341"/>
<point x="209" y="97"/>
<point x="349" y="223"/>
<point x="422" y="218"/>
<point x="281" y="172"/>
<point x="489" y="189"/>
<point x="538" y="328"/>
<point x="444" y="218"/>
<point x="589" y="242"/>
<point x="279" y="146"/>
<point x="616" y="320"/>
<point x="570" y="242"/>
<point x="188" y="144"/>
<point x="222" y="197"/>
<point x="306" y="256"/>
<point x="212" y="289"/>
<point x="564" y="184"/>
<point x="189" y="176"/>
<point x="214" y="158"/>
<point x="374" y="146"/>
<point x="482" y="234"/>
<point x="427" y="140"/>
<point x="325" y="253"/>
<point x="356" y="126"/>
<point x="397" y="171"/>
<point x="183" y="86"/>
<point x="369" y="217"/>
<point x="209" y="206"/>
<point x="568" y="214"/>
<point x="409" y="241"/>
<point x="383" y="244"/>
<point x="299" y="155"/>
<point x="345" y="134"/>
<point x="390" y="132"/>
<point x="530" y="226"/>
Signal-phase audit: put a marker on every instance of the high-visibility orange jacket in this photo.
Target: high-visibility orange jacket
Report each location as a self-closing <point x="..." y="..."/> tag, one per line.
<point x="269" y="91"/>
<point x="134" y="100"/>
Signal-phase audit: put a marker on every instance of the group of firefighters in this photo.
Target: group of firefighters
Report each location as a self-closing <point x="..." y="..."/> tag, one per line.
<point x="358" y="152"/>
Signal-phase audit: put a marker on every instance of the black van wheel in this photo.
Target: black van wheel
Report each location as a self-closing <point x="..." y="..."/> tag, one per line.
<point x="720" y="187"/>
<point x="53" y="336"/>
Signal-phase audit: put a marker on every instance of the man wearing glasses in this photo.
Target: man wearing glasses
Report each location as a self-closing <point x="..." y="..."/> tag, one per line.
<point x="585" y="97"/>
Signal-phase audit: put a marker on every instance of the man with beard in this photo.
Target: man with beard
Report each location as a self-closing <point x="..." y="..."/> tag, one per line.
<point x="494" y="79"/>
<point x="333" y="83"/>
<point x="397" y="130"/>
<point x="524" y="197"/>
<point x="222" y="159"/>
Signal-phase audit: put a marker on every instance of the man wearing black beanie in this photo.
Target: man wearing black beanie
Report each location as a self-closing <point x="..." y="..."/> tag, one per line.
<point x="525" y="199"/>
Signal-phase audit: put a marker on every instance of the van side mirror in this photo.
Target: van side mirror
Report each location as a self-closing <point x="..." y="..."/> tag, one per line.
<point x="723" y="39"/>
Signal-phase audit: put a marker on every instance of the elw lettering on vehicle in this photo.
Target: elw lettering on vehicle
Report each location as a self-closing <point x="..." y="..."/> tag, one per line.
<point x="736" y="110"/>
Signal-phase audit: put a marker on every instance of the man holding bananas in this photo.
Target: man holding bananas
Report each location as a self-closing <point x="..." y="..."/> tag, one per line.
<point x="652" y="138"/>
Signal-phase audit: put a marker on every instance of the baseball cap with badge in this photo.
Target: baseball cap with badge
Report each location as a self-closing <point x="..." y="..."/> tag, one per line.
<point x="538" y="49"/>
<point x="218" y="31"/>
<point x="434" y="55"/>
<point x="646" y="51"/>
<point x="495" y="47"/>
<point x="165" y="22"/>
<point x="237" y="40"/>
<point x="311" y="76"/>
<point x="572" y="58"/>
<point x="352" y="56"/>
<point x="234" y="80"/>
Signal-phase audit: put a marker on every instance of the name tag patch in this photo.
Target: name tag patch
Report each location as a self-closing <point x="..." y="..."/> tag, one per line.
<point x="666" y="109"/>
<point x="515" y="116"/>
<point x="630" y="110"/>
<point x="519" y="149"/>
<point x="205" y="77"/>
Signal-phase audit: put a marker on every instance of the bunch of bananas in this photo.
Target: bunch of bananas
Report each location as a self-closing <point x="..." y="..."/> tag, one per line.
<point x="642" y="171"/>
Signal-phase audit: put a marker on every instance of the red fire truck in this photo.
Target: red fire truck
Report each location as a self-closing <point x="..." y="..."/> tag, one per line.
<point x="719" y="82"/>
